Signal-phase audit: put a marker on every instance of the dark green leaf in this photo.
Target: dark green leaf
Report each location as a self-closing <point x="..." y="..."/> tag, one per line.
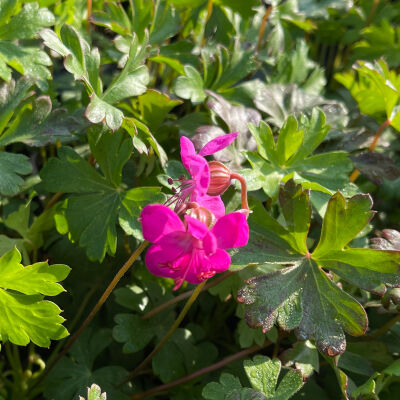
<point x="376" y="167"/>
<point x="303" y="296"/>
<point x="72" y="376"/>
<point x="11" y="166"/>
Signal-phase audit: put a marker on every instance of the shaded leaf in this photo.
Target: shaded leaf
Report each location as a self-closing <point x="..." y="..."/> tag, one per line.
<point x="71" y="376"/>
<point x="376" y="167"/>
<point x="11" y="167"/>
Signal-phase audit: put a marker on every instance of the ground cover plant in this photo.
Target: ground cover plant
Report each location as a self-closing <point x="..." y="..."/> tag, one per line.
<point x="199" y="199"/>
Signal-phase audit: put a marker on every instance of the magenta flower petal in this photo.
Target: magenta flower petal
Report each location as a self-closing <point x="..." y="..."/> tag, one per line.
<point x="231" y="231"/>
<point x="220" y="261"/>
<point x="218" y="144"/>
<point x="160" y="265"/>
<point x="195" y="227"/>
<point x="210" y="243"/>
<point x="187" y="150"/>
<point x="200" y="171"/>
<point x="158" y="220"/>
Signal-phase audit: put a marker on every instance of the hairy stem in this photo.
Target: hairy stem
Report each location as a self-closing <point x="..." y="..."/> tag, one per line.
<point x="200" y="372"/>
<point x="89" y="14"/>
<point x="245" y="205"/>
<point x="185" y="295"/>
<point x="263" y="26"/>
<point x="171" y="330"/>
<point x="354" y="175"/>
<point x="98" y="305"/>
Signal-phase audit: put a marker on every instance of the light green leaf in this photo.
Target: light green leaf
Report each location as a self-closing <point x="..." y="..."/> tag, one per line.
<point x="289" y="140"/>
<point x="94" y="393"/>
<point x="100" y="111"/>
<point x="24" y="315"/>
<point x="190" y="86"/>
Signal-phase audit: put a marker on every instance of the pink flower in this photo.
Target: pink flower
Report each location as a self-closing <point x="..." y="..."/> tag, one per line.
<point x="190" y="251"/>
<point x="195" y="188"/>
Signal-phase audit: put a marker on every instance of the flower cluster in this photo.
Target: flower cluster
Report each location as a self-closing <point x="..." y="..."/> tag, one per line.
<point x="193" y="249"/>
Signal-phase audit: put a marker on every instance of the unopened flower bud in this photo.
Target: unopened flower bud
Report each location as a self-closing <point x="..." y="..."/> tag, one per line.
<point x="220" y="178"/>
<point x="203" y="215"/>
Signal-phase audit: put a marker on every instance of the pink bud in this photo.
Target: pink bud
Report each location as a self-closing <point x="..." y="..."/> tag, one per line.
<point x="220" y="178"/>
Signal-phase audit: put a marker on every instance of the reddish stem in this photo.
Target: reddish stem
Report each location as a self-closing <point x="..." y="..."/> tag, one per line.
<point x="263" y="26"/>
<point x="245" y="204"/>
<point x="98" y="305"/>
<point x="200" y="372"/>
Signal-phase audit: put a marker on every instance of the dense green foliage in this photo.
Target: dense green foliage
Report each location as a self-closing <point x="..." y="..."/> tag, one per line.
<point x="94" y="96"/>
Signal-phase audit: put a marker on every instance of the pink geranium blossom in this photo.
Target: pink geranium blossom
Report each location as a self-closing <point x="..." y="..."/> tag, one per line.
<point x="190" y="251"/>
<point x="195" y="188"/>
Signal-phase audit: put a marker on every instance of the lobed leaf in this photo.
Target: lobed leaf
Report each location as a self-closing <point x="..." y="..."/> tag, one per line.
<point x="302" y="296"/>
<point x="24" y="315"/>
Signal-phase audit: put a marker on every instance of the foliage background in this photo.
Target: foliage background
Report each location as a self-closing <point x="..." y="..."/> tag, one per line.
<point x="94" y="97"/>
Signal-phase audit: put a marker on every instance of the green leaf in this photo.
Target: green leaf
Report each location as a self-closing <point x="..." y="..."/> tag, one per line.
<point x="302" y="296"/>
<point x="84" y="64"/>
<point x="279" y="101"/>
<point x="23" y="23"/>
<point x="25" y="316"/>
<point x="90" y="215"/>
<point x="27" y="23"/>
<point x="305" y="357"/>
<point x="377" y="89"/>
<point x="265" y="142"/>
<point x="138" y="129"/>
<point x="72" y="376"/>
<point x="133" y="79"/>
<point x="367" y="389"/>
<point x="100" y="111"/>
<point x="132" y="205"/>
<point x="36" y="124"/>
<point x="154" y="107"/>
<point x="351" y="215"/>
<point x="11" y="95"/>
<point x="289" y="140"/>
<point x="297" y="212"/>
<point x="11" y="167"/>
<point x="133" y="331"/>
<point x="291" y="158"/>
<point x="376" y="167"/>
<point x="190" y="86"/>
<point x="379" y="41"/>
<point x="228" y="388"/>
<point x="94" y="393"/>
<point x="263" y="375"/>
